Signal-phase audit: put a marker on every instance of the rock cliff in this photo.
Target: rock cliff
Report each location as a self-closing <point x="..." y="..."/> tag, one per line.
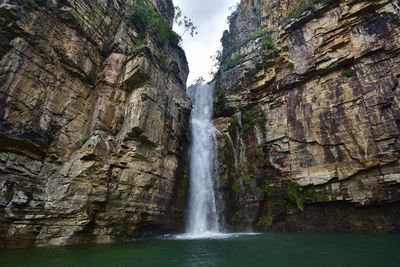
<point x="93" y="123"/>
<point x="307" y="104"/>
<point x="94" y="120"/>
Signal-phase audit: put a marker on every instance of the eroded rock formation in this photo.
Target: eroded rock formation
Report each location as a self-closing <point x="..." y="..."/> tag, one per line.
<point x="307" y="103"/>
<point x="93" y="124"/>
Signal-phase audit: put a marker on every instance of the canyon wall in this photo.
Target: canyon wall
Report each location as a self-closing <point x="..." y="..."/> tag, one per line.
<point x="93" y="124"/>
<point x="94" y="120"/>
<point x="307" y="104"/>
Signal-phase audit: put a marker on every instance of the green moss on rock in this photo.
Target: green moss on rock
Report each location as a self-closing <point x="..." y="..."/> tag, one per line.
<point x="295" y="195"/>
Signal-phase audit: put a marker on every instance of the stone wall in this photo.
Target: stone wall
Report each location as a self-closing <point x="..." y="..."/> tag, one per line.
<point x="308" y="110"/>
<point x="93" y="123"/>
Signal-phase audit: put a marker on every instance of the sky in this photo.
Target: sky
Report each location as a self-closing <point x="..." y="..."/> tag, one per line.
<point x="210" y="17"/>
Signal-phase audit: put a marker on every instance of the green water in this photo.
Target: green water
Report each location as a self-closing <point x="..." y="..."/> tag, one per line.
<point x="274" y="250"/>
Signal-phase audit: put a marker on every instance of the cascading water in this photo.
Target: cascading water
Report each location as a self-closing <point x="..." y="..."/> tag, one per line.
<point x="202" y="219"/>
<point x="202" y="215"/>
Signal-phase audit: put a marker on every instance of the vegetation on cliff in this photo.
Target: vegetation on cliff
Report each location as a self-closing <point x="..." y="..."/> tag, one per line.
<point x="154" y="23"/>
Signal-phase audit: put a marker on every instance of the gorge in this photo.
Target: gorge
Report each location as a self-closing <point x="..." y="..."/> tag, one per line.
<point x="297" y="132"/>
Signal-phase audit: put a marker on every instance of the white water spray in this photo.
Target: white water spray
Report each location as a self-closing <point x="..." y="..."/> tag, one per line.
<point x="202" y="219"/>
<point x="202" y="216"/>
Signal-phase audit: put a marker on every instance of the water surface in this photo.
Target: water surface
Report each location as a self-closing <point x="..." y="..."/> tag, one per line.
<point x="270" y="250"/>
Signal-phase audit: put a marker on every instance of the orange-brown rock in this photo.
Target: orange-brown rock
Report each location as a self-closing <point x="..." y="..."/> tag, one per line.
<point x="311" y="135"/>
<point x="93" y="119"/>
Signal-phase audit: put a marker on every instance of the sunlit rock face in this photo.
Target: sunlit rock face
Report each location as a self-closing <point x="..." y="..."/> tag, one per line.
<point x="308" y="109"/>
<point x="93" y="125"/>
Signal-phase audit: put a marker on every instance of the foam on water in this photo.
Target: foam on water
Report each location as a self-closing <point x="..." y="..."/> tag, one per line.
<point x="209" y="235"/>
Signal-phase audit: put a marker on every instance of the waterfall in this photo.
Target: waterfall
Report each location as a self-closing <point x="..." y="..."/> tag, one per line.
<point x="202" y="217"/>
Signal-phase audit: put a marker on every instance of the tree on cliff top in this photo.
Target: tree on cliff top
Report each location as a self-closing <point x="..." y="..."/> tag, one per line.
<point x="155" y="24"/>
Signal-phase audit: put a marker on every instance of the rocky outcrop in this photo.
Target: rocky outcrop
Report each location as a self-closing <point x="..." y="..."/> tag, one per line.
<point x="93" y="119"/>
<point x="307" y="104"/>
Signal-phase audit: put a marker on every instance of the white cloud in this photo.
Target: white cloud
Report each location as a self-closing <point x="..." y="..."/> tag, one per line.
<point x="210" y="16"/>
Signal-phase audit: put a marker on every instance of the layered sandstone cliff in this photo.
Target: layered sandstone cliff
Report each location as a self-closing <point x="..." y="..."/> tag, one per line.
<point x="93" y="124"/>
<point x="307" y="104"/>
<point x="93" y="120"/>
